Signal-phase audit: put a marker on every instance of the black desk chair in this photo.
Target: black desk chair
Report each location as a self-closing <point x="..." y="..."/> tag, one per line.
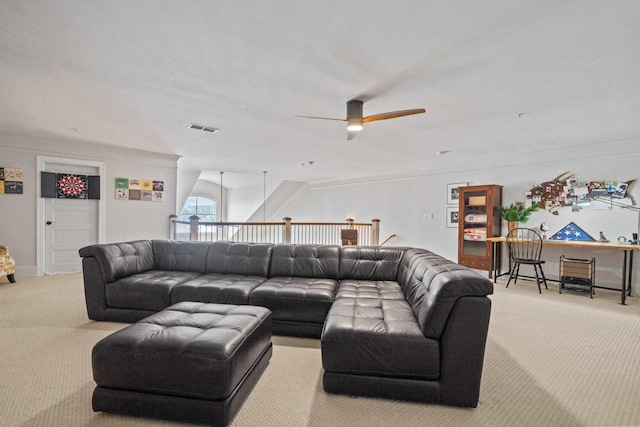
<point x="525" y="247"/>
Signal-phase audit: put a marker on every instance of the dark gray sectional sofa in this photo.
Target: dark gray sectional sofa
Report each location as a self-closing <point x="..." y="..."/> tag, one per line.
<point x="399" y="323"/>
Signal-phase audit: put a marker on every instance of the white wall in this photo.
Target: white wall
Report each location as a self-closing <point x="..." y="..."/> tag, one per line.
<point x="125" y="220"/>
<point x="187" y="180"/>
<point x="246" y="203"/>
<point x="401" y="205"/>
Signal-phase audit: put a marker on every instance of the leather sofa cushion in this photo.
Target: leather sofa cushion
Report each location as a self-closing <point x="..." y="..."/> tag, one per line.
<point x="370" y="263"/>
<point x="299" y="299"/>
<point x="370" y="336"/>
<point x="180" y="256"/>
<point x="251" y="259"/>
<point x="433" y="284"/>
<point x="380" y="289"/>
<point x="145" y="291"/>
<point x="190" y="349"/>
<point x="118" y="260"/>
<point x="322" y="262"/>
<point x="217" y="288"/>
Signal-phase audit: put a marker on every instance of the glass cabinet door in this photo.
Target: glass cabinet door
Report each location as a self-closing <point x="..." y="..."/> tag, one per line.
<point x="475" y="219"/>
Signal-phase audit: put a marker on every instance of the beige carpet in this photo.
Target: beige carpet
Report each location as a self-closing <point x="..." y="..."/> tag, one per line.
<point x="551" y="360"/>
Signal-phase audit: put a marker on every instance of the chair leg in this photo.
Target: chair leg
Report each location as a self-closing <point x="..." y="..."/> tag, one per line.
<point x="544" y="279"/>
<point x="535" y="268"/>
<point x="517" y="274"/>
<point x="513" y="270"/>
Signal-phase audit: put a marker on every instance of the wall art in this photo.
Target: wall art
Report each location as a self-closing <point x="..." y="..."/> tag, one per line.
<point x="453" y="192"/>
<point x="10" y="180"/>
<point x="567" y="190"/>
<point x="147" y="190"/>
<point x="452" y="217"/>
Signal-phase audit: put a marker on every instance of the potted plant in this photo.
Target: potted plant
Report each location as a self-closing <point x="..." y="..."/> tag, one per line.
<point x="517" y="213"/>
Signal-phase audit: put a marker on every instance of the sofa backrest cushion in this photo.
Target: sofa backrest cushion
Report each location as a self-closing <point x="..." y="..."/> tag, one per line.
<point x="370" y="262"/>
<point x="319" y="261"/>
<point x="433" y="284"/>
<point x="248" y="259"/>
<point x="117" y="260"/>
<point x="170" y="255"/>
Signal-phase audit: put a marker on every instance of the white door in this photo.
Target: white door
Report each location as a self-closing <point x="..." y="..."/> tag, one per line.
<point x="70" y="224"/>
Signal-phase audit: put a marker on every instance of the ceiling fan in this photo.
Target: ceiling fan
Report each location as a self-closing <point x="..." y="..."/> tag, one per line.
<point x="355" y="119"/>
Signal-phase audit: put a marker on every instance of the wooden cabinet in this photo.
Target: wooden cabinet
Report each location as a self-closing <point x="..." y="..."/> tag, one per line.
<point x="478" y="218"/>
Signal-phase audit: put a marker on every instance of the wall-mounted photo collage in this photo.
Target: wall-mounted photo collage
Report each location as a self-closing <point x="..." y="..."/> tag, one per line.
<point x="567" y="190"/>
<point x="147" y="190"/>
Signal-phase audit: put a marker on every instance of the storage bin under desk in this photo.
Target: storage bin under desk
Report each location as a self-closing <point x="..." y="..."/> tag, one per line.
<point x="578" y="273"/>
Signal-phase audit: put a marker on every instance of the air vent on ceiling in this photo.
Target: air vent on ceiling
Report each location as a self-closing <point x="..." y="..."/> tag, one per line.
<point x="202" y="128"/>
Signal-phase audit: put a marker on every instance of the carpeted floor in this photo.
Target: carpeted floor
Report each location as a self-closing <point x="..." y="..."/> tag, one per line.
<point x="551" y="360"/>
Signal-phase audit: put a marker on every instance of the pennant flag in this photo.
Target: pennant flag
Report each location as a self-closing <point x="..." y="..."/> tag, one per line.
<point x="572" y="232"/>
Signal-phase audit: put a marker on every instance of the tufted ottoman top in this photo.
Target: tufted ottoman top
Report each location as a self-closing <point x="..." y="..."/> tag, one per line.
<point x="190" y="349"/>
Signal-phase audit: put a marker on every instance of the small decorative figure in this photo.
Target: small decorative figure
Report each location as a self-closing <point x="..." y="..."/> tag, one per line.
<point x="544" y="227"/>
<point x="603" y="239"/>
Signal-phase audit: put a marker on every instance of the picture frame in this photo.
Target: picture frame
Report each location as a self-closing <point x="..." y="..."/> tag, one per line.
<point x="452" y="217"/>
<point x="453" y="194"/>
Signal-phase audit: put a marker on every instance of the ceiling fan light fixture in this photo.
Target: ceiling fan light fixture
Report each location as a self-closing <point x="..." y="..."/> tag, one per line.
<point x="354" y="125"/>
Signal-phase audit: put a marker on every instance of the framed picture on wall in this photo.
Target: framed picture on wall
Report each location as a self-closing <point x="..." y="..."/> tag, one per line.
<point x="452" y="217"/>
<point x="453" y="193"/>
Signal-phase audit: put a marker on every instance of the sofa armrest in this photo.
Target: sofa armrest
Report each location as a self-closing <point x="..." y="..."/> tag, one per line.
<point x="462" y="347"/>
<point x="117" y="260"/>
<point x="94" y="289"/>
<point x="433" y="285"/>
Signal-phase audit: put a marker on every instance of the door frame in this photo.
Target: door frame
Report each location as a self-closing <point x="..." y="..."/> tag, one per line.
<point x="42" y="162"/>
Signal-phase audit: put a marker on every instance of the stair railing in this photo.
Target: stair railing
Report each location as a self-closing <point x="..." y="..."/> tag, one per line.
<point x="287" y="231"/>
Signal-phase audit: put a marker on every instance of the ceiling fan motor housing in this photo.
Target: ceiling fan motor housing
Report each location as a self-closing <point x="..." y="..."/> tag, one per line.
<point x="354" y="109"/>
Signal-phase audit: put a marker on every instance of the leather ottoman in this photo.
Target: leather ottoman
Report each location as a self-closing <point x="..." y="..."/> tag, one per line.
<point x="192" y="362"/>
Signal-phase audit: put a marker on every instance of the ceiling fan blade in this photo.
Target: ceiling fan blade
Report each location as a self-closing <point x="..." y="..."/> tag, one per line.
<point x="321" y="118"/>
<point x="351" y="135"/>
<point x="392" y="115"/>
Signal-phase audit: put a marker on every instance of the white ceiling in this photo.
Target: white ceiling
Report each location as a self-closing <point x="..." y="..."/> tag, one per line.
<point x="528" y="79"/>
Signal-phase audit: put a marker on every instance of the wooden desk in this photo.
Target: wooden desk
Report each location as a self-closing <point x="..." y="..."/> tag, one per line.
<point x="627" y="258"/>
